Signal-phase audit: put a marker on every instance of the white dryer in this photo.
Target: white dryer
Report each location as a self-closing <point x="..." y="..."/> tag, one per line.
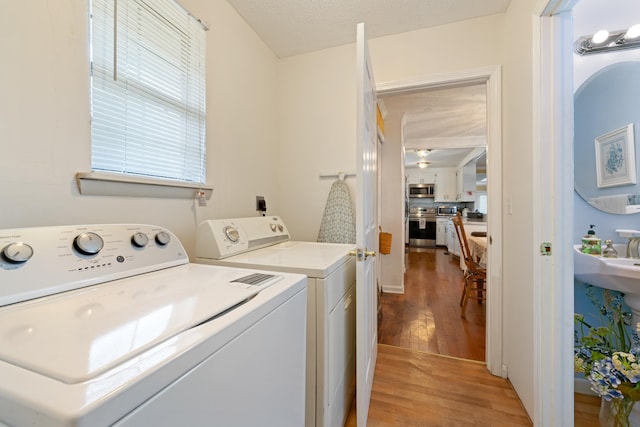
<point x="263" y="243"/>
<point x="111" y="325"/>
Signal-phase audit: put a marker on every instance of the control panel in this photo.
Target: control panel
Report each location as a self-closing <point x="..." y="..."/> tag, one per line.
<point x="40" y="261"/>
<point x="222" y="238"/>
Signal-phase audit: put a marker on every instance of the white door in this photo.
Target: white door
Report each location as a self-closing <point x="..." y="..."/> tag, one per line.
<point x="366" y="228"/>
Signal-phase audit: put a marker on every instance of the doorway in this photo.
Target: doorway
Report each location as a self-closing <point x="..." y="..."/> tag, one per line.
<point x="490" y="77"/>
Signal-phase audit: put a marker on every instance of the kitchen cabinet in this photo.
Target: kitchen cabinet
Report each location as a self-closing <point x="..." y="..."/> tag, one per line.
<point x="453" y="246"/>
<point x="466" y="183"/>
<point x="420" y="176"/>
<point x="445" y="185"/>
<point x="441" y="231"/>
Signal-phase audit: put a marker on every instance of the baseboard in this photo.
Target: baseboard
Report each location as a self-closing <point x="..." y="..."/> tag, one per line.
<point x="394" y="289"/>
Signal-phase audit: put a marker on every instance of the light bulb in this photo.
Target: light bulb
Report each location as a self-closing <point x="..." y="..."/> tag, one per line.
<point x="633" y="32"/>
<point x="600" y="36"/>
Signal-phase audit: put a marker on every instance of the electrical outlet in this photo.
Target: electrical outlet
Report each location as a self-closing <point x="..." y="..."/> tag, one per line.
<point x="261" y="205"/>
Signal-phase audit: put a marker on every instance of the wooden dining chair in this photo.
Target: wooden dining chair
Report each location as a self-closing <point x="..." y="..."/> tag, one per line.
<point x="475" y="276"/>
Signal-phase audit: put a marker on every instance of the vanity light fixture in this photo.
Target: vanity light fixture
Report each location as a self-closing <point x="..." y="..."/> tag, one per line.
<point x="603" y="41"/>
<point x="423" y="164"/>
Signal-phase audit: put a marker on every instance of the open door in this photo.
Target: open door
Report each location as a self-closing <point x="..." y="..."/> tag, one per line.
<point x="366" y="228"/>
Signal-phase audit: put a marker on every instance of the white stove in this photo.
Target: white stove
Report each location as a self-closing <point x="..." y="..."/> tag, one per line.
<point x="263" y="243"/>
<point x="111" y="325"/>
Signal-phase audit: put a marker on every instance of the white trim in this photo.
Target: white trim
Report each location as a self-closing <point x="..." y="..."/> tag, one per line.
<point x="109" y="184"/>
<point x="444" y="142"/>
<point x="552" y="222"/>
<point x="494" y="334"/>
<point x="493" y="78"/>
<point x="448" y="80"/>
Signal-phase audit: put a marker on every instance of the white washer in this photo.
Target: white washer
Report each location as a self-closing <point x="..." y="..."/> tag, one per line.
<point x="263" y="242"/>
<point x="111" y="325"/>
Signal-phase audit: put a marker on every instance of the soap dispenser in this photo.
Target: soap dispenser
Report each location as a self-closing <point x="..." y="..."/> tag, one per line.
<point x="591" y="243"/>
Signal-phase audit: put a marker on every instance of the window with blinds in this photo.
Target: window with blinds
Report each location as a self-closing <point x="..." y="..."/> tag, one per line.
<point x="147" y="90"/>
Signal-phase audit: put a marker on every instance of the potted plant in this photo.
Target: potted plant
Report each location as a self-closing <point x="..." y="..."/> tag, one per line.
<point x="608" y="355"/>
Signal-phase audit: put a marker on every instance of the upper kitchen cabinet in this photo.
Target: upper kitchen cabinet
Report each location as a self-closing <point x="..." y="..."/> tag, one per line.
<point x="420" y="176"/>
<point x="466" y="175"/>
<point x="445" y="189"/>
<point x="466" y="183"/>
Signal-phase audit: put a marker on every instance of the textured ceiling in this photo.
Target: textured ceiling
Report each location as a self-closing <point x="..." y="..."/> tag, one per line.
<point x="451" y="122"/>
<point x="291" y="27"/>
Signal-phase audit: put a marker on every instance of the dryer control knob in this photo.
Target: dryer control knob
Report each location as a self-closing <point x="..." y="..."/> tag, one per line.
<point x="88" y="243"/>
<point x="273" y="227"/>
<point x="17" y="252"/>
<point x="231" y="233"/>
<point x="280" y="228"/>
<point x="139" y="240"/>
<point x="163" y="238"/>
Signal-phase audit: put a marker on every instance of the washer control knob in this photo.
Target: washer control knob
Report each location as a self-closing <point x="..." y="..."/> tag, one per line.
<point x="231" y="233"/>
<point x="280" y="228"/>
<point x="88" y="243"/>
<point x="139" y="240"/>
<point x="163" y="238"/>
<point x="17" y="252"/>
<point x="273" y="227"/>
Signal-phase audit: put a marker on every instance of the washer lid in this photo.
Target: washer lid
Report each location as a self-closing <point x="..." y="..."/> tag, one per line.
<point x="75" y="336"/>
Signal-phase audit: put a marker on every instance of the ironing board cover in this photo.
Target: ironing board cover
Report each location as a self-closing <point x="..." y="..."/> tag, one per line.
<point x="338" y="225"/>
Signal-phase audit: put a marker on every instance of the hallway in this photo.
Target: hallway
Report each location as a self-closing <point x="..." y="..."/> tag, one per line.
<point x="427" y="316"/>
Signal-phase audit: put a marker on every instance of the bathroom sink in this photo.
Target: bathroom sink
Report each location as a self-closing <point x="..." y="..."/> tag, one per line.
<point x="618" y="274"/>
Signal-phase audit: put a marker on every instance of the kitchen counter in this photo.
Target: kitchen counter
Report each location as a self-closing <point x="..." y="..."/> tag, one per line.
<point x="474" y="221"/>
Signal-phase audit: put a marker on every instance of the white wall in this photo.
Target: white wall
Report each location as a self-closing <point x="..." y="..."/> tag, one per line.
<point x="317" y="108"/>
<point x="45" y="130"/>
<point x="392" y="215"/>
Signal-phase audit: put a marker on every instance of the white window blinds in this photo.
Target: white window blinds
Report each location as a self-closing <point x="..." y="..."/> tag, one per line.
<point x="148" y="90"/>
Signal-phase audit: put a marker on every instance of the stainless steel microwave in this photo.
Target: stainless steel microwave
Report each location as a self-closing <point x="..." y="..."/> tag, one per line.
<point x="447" y="210"/>
<point x="421" y="190"/>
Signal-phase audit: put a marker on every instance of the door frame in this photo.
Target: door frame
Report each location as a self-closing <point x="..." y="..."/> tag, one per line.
<point x="491" y="76"/>
<point x="553" y="290"/>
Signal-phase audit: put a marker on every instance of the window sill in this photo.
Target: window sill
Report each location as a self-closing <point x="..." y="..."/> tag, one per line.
<point x="107" y="184"/>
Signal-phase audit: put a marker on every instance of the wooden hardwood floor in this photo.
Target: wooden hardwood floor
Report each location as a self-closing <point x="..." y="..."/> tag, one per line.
<point x="414" y="388"/>
<point x="427" y="316"/>
<point x="423" y="340"/>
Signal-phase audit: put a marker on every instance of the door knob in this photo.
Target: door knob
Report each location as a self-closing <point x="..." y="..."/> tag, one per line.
<point x="358" y="253"/>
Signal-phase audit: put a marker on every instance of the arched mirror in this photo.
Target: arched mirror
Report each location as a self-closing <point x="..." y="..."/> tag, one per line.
<point x="606" y="124"/>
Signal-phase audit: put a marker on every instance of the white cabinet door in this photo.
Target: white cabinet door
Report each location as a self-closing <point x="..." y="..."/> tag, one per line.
<point x="420" y="176"/>
<point x="445" y="185"/>
<point x="447" y="236"/>
<point x="441" y="232"/>
<point x="466" y="183"/>
<point x="452" y="240"/>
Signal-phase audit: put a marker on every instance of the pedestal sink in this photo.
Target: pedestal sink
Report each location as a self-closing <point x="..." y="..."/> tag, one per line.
<point x="618" y="274"/>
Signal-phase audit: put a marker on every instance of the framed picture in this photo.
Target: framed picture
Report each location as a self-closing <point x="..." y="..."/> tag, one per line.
<point x="616" y="158"/>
